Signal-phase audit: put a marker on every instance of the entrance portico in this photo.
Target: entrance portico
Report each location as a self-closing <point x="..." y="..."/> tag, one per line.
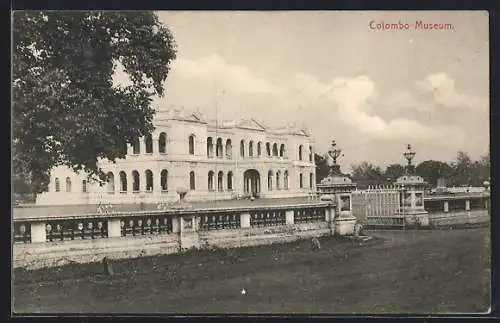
<point x="251" y="182"/>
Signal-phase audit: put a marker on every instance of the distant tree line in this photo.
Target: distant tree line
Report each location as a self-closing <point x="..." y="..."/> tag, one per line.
<point x="461" y="171"/>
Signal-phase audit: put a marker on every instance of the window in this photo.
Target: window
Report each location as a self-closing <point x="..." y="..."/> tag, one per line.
<point x="68" y="184"/>
<point x="164" y="180"/>
<point x="192" y="181"/>
<point x="84" y="186"/>
<point x="230" y="180"/>
<point x="162" y="143"/>
<point x="191" y="144"/>
<point x="278" y="175"/>
<point x="282" y="150"/>
<point x="310" y="154"/>
<point x="149" y="143"/>
<point x="220" y="181"/>
<point x="300" y="152"/>
<point x="268" y="149"/>
<point x="210" y="180"/>
<point x="210" y="147"/>
<point x="301" y="184"/>
<point x="135" y="181"/>
<point x="285" y="180"/>
<point x="58" y="185"/>
<point x="111" y="182"/>
<point x="259" y="149"/>
<point x="250" y="148"/>
<point x="270" y="180"/>
<point x="242" y="148"/>
<point x="229" y="149"/>
<point x="123" y="181"/>
<point x="123" y="148"/>
<point x="149" y="180"/>
<point x="311" y="179"/>
<point x="136" y="147"/>
<point x="275" y="150"/>
<point x="218" y="150"/>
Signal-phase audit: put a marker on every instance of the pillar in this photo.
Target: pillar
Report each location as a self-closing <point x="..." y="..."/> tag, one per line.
<point x="245" y="220"/>
<point x="289" y="217"/>
<point x="38" y="233"/>
<point x="467" y="205"/>
<point x="114" y="228"/>
<point x="446" y="206"/>
<point x="142" y="145"/>
<point x="176" y="225"/>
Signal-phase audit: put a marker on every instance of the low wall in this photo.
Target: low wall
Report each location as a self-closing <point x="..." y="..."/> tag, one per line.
<point x="89" y="238"/>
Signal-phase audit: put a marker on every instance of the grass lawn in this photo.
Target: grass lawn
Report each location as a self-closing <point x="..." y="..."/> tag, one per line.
<point x="442" y="271"/>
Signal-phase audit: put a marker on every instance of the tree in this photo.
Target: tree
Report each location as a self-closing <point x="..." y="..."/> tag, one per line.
<point x="393" y="171"/>
<point x="322" y="167"/>
<point x="432" y="170"/>
<point x="66" y="109"/>
<point x="462" y="170"/>
<point x="365" y="174"/>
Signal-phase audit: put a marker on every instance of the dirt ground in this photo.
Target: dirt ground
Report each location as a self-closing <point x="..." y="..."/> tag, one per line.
<point x="419" y="272"/>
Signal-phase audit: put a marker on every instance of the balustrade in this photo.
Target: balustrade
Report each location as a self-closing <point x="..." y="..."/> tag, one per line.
<point x="220" y="221"/>
<point x="146" y="225"/>
<point x="266" y="218"/>
<point x="71" y="229"/>
<point x="309" y="215"/>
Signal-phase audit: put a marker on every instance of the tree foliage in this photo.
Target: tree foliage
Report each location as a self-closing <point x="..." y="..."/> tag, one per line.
<point x="365" y="174"/>
<point x="432" y="170"/>
<point x="66" y="108"/>
<point x="322" y="167"/>
<point x="393" y="171"/>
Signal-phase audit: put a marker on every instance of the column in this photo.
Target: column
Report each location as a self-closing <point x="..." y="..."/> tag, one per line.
<point x="38" y="233"/>
<point x="130" y="182"/>
<point x="467" y="205"/>
<point x="289" y="217"/>
<point x="114" y="228"/>
<point x="245" y="220"/>
<point x="156" y="148"/>
<point x="142" y="144"/>
<point x="446" y="206"/>
<point x="176" y="225"/>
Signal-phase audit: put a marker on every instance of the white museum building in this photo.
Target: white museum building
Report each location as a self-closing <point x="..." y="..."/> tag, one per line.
<point x="212" y="160"/>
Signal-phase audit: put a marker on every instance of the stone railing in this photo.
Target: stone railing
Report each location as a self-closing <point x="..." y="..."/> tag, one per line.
<point x="44" y="241"/>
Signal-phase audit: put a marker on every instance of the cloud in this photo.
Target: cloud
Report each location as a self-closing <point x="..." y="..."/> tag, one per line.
<point x="231" y="77"/>
<point x="443" y="93"/>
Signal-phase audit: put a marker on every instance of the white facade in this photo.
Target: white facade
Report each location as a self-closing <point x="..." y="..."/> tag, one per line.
<point x="223" y="160"/>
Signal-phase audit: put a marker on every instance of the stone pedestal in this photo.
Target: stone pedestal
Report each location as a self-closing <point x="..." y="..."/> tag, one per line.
<point x="189" y="237"/>
<point x="114" y="228"/>
<point x="38" y="233"/>
<point x="245" y="220"/>
<point x="411" y="200"/>
<point x="289" y="217"/>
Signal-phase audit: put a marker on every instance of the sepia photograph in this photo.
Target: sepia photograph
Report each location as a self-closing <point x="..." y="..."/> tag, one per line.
<point x="250" y="162"/>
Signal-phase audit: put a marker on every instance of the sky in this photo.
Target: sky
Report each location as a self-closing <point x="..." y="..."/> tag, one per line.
<point x="371" y="90"/>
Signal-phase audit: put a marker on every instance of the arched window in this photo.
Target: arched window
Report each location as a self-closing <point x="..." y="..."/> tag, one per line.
<point x="210" y="147"/>
<point x="123" y="181"/>
<point x="210" y="180"/>
<point x="149" y="143"/>
<point x="300" y="152"/>
<point x="311" y="180"/>
<point x="275" y="150"/>
<point x="220" y="181"/>
<point x="282" y="150"/>
<point x="110" y="177"/>
<point x="164" y="180"/>
<point x="149" y="180"/>
<point x="259" y="148"/>
<point x="136" y="146"/>
<point x="218" y="149"/>
<point x="135" y="181"/>
<point x="268" y="149"/>
<point x="68" y="184"/>
<point x="250" y="148"/>
<point x="192" y="181"/>
<point x="310" y="154"/>
<point x="242" y="148"/>
<point x="84" y="186"/>
<point x="270" y="180"/>
<point x="58" y="185"/>
<point x="301" y="183"/>
<point x="162" y="143"/>
<point x="230" y="180"/>
<point x="285" y="179"/>
<point x="278" y="175"/>
<point x="229" y="149"/>
<point x="191" y="144"/>
<point x="123" y="148"/>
